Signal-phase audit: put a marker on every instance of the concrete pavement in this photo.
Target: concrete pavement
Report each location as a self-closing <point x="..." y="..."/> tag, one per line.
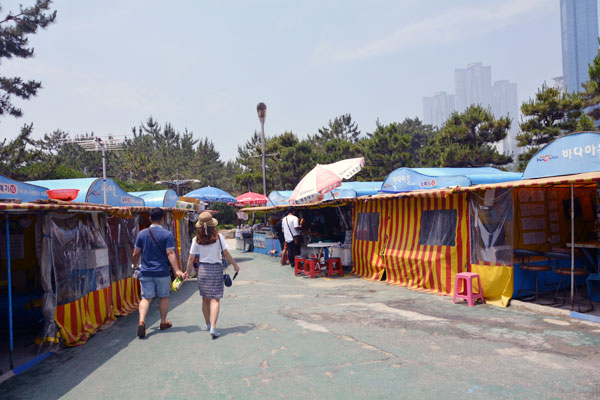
<point x="295" y="338"/>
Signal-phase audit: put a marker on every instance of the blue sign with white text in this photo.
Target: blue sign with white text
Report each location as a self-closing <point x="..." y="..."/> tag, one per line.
<point x="572" y="154"/>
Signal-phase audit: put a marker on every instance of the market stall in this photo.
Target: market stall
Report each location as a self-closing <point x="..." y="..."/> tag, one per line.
<point x="553" y="238"/>
<point x="416" y="233"/>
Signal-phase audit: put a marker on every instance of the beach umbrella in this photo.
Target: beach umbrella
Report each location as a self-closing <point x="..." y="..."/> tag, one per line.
<point x="324" y="178"/>
<point x="211" y="194"/>
<point x="252" y="199"/>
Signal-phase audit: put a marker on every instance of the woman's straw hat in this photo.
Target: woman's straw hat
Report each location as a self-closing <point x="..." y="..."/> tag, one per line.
<point x="206" y="219"/>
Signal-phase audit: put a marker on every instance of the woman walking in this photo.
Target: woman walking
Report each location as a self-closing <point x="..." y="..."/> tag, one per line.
<point x="208" y="245"/>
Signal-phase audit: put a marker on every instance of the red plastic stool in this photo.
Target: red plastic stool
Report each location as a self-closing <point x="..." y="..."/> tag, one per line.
<point x="334" y="266"/>
<point x="312" y="267"/>
<point x="299" y="265"/>
<point x="466" y="278"/>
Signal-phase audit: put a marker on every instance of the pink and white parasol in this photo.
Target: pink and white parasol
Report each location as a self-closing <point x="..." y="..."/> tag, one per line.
<point x="252" y="199"/>
<point x="325" y="177"/>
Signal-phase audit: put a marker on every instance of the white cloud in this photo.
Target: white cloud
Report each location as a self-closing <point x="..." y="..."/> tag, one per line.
<point x="446" y="28"/>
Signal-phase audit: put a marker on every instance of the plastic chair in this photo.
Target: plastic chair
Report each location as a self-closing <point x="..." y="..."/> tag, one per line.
<point x="466" y="278"/>
<point x="334" y="266"/>
<point x="312" y="268"/>
<point x="299" y="265"/>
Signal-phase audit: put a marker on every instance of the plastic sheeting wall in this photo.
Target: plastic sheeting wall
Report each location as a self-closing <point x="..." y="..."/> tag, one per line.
<point x="121" y="235"/>
<point x="399" y="250"/>
<point x="492" y="227"/>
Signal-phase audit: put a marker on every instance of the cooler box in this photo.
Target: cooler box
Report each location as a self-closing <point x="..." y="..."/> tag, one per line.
<point x="344" y="254"/>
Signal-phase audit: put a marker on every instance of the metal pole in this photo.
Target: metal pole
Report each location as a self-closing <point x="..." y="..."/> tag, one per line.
<point x="104" y="173"/>
<point x="264" y="176"/>
<point x="340" y="211"/>
<point x="10" y="319"/>
<point x="572" y="247"/>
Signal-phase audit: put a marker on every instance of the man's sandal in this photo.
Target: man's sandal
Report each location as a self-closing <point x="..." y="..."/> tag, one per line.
<point x="141" y="330"/>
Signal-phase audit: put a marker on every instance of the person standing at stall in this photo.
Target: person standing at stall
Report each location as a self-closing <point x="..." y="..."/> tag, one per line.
<point x="156" y="246"/>
<point x="278" y="228"/>
<point x="291" y="232"/>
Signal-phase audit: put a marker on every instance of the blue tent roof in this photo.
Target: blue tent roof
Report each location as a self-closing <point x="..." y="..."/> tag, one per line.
<point x="408" y="179"/>
<point x="362" y="188"/>
<point x="340" y="194"/>
<point x="279" y="197"/>
<point x="91" y="191"/>
<point x="11" y="189"/>
<point x="571" y="154"/>
<point x="211" y="194"/>
<point x="158" y="198"/>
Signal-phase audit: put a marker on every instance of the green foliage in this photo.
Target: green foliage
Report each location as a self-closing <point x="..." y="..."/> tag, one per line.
<point x="336" y="141"/>
<point x="393" y="146"/>
<point x="551" y="114"/>
<point x="467" y="139"/>
<point x="226" y="214"/>
<point x="14" y="30"/>
<point x="585" y="123"/>
<point x="17" y="156"/>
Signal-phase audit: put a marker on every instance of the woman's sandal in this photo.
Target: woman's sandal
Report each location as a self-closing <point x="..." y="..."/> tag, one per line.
<point x="166" y="325"/>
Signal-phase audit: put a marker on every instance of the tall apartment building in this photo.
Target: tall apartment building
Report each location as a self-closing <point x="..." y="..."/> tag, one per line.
<point x="437" y="109"/>
<point x="505" y="102"/>
<point x="579" y="34"/>
<point x="473" y="85"/>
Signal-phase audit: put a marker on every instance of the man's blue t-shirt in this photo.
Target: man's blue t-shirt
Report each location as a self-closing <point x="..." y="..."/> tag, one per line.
<point x="154" y="258"/>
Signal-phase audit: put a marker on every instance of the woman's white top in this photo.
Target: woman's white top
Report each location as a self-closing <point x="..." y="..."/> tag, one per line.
<point x="209" y="253"/>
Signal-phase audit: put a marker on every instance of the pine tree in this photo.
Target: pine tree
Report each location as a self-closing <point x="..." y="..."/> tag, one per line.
<point x="14" y="29"/>
<point x="467" y="140"/>
<point x="551" y="114"/>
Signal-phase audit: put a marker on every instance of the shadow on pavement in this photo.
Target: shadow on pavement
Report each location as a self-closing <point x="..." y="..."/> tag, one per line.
<point x="84" y="360"/>
<point x="236" y="329"/>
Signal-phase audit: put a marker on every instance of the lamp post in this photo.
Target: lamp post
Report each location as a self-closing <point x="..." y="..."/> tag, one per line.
<point x="177" y="182"/>
<point x="261" y="109"/>
<point x="103" y="144"/>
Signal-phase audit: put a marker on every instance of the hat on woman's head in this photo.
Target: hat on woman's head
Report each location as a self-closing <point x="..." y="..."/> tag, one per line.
<point x="205" y="220"/>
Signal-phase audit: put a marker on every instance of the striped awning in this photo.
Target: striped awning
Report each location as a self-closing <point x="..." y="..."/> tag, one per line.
<point x="314" y="205"/>
<point x="65" y="206"/>
<point x="579" y="180"/>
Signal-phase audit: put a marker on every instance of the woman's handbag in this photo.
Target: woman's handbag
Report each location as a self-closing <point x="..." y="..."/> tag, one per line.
<point x="227" y="280"/>
<point x="224" y="260"/>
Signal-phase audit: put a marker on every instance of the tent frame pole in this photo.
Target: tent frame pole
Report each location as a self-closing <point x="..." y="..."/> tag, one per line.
<point x="572" y="247"/>
<point x="341" y="213"/>
<point x="10" y="308"/>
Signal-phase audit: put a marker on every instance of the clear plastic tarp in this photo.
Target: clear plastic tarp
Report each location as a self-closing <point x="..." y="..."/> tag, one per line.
<point x="491" y="213"/>
<point x="121" y="240"/>
<point x="367" y="227"/>
<point x="438" y="228"/>
<point x="79" y="254"/>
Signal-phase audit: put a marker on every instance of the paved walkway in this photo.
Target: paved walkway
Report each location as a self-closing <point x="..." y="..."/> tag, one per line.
<point x="295" y="338"/>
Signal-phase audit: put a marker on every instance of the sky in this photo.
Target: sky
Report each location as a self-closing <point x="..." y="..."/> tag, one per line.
<point x="106" y="66"/>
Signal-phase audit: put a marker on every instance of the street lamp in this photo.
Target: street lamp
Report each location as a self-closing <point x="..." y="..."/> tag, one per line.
<point x="261" y="109"/>
<point x="177" y="182"/>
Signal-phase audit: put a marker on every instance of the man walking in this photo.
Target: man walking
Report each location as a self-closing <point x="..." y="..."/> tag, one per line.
<point x="291" y="232"/>
<point x="156" y="245"/>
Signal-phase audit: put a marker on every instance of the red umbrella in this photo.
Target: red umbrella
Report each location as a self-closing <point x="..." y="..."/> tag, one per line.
<point x="252" y="199"/>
